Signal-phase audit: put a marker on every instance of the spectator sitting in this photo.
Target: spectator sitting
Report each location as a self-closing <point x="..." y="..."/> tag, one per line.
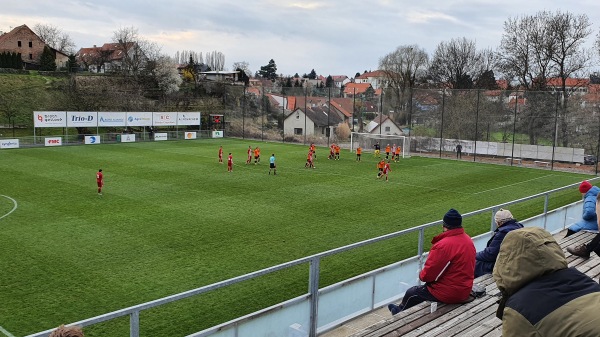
<point x="448" y="271"/>
<point x="67" y="331"/>
<point x="588" y="218"/>
<point x="584" y="250"/>
<point x="541" y="296"/>
<point x="485" y="259"/>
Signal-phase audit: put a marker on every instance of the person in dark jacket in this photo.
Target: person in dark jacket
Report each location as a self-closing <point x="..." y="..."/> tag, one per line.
<point x="485" y="259"/>
<point x="589" y="220"/>
<point x="448" y="271"/>
<point x="541" y="296"/>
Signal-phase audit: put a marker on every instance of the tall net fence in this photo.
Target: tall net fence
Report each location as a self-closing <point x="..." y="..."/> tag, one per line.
<point x="513" y="127"/>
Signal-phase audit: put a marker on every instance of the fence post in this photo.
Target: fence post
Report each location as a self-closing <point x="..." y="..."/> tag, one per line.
<point x="313" y="289"/>
<point x="546" y="202"/>
<point x="134" y="324"/>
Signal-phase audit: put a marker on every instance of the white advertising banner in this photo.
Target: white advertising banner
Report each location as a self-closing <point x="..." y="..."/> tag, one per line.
<point x="160" y="136"/>
<point x="82" y="119"/>
<point x="165" y="118"/>
<point x="50" y="119"/>
<point x="217" y="134"/>
<point x="190" y="135"/>
<point x="139" y="119"/>
<point x="9" y="144"/>
<point x="127" y="138"/>
<point x="53" y="141"/>
<point x="95" y="139"/>
<point x="188" y="118"/>
<point x="111" y="118"/>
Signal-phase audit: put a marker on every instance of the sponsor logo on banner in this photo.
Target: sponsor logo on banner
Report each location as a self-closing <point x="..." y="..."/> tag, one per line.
<point x="139" y="119"/>
<point x="188" y="118"/>
<point x="49" y="119"/>
<point x="111" y="118"/>
<point x="78" y="118"/>
<point x="92" y="139"/>
<point x="190" y="135"/>
<point x="160" y="136"/>
<point x="127" y="138"/>
<point x="9" y="144"/>
<point x="217" y="134"/>
<point x="165" y="118"/>
<point x="53" y="141"/>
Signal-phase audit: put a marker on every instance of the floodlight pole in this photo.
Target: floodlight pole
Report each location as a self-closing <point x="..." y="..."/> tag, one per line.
<point x="512" y="154"/>
<point x="554" y="140"/>
<point x="476" y="124"/>
<point x="442" y="121"/>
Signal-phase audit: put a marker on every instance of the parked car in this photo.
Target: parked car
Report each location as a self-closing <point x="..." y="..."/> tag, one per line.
<point x="589" y="160"/>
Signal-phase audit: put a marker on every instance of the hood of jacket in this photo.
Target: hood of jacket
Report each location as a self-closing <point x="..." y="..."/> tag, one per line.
<point x="525" y="255"/>
<point x="593" y="192"/>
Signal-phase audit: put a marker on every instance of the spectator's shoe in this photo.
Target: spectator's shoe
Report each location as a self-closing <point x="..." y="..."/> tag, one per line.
<point x="580" y="251"/>
<point x="394" y="309"/>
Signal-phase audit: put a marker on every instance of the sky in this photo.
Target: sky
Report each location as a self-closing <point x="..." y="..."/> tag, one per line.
<point x="334" y="37"/>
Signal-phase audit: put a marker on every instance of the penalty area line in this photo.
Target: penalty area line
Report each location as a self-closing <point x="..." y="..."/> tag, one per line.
<point x="7" y="214"/>
<point x="8" y="334"/>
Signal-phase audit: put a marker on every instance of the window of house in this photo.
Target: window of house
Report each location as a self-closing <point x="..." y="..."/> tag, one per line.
<point x="297" y="116"/>
<point x="298" y="131"/>
<point x="18" y="43"/>
<point x="30" y="44"/>
<point x="387" y="129"/>
<point x="31" y="56"/>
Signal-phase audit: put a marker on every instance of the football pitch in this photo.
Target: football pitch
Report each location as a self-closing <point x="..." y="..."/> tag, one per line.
<point x="171" y="218"/>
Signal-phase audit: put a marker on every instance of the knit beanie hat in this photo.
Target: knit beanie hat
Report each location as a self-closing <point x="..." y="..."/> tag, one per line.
<point x="502" y="216"/>
<point x="452" y="219"/>
<point x="585" y="186"/>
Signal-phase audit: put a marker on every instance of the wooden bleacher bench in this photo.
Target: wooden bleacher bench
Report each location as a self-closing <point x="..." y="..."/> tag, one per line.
<point x="508" y="160"/>
<point x="476" y="318"/>
<point x="540" y="163"/>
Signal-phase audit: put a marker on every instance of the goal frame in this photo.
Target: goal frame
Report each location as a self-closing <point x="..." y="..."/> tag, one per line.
<point x="403" y="141"/>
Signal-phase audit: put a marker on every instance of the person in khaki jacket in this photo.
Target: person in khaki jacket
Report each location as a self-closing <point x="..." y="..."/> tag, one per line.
<point x="541" y="296"/>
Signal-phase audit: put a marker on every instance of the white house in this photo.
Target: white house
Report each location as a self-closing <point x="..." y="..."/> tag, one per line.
<point x="388" y="127"/>
<point x="313" y="121"/>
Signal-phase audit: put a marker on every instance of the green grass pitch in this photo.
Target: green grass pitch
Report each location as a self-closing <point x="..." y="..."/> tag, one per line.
<point x="172" y="218"/>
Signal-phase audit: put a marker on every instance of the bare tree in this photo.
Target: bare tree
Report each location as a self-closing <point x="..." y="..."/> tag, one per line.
<point x="55" y="38"/>
<point x="215" y="60"/>
<point x="137" y="51"/>
<point x="544" y="46"/>
<point x="457" y="63"/>
<point x="401" y="68"/>
<point x="244" y="66"/>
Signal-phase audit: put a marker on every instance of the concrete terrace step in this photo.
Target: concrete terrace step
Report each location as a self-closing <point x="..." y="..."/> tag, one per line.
<point x="477" y="318"/>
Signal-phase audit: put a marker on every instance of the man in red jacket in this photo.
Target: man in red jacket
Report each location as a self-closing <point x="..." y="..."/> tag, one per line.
<point x="448" y="271"/>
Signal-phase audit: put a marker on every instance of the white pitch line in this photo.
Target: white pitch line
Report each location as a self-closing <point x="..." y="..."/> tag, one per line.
<point x="517" y="183"/>
<point x="7" y="214"/>
<point x="4" y="330"/>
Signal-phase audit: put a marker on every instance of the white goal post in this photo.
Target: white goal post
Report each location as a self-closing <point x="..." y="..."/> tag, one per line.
<point x="367" y="142"/>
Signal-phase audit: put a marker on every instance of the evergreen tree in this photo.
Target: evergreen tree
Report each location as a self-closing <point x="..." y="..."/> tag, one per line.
<point x="329" y="83"/>
<point x="72" y="64"/>
<point x="312" y="75"/>
<point x="47" y="60"/>
<point x="3" y="60"/>
<point x="243" y="77"/>
<point x="269" y="71"/>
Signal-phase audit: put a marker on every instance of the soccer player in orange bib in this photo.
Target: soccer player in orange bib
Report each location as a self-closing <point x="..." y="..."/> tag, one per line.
<point x="398" y="150"/>
<point x="256" y="155"/>
<point x="358" y="153"/>
<point x="380" y="167"/>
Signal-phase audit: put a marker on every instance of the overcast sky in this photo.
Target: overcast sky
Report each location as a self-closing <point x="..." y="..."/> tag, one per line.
<point x="335" y="37"/>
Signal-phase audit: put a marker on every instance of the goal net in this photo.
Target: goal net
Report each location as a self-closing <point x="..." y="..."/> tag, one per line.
<point x="367" y="142"/>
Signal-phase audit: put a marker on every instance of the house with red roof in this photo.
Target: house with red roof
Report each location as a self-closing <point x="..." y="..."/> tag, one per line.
<point x="108" y="58"/>
<point x="377" y="79"/>
<point x="22" y="40"/>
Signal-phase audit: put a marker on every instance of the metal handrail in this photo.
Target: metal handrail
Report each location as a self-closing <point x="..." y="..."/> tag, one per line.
<point x="313" y="260"/>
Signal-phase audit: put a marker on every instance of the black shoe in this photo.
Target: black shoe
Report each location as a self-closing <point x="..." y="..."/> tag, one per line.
<point x="394" y="309"/>
<point x="580" y="251"/>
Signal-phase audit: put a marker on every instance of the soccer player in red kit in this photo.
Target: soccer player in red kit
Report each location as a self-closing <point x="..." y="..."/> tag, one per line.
<point x="221" y="154"/>
<point x="100" y="181"/>
<point x="386" y="170"/>
<point x="249" y="160"/>
<point x="230" y="163"/>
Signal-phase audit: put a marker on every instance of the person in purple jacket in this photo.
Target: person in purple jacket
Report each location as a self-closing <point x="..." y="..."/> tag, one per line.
<point x="486" y="259"/>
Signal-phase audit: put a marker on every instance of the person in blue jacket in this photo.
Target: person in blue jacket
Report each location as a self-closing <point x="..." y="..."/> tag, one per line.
<point x="589" y="219"/>
<point x="486" y="259"/>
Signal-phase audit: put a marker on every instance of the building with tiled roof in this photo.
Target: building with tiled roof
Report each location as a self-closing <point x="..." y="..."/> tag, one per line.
<point x="377" y="79"/>
<point x="356" y="89"/>
<point x="311" y="121"/>
<point x="108" y="58"/>
<point x="22" y="40"/>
